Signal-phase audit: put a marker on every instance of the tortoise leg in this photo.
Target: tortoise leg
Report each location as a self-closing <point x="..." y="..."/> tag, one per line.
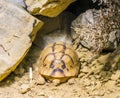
<point x="56" y="82"/>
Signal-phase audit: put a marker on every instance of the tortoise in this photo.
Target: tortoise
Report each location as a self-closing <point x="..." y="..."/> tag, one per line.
<point x="58" y="62"/>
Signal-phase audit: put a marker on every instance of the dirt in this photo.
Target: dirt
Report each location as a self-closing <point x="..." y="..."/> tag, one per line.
<point x="92" y="82"/>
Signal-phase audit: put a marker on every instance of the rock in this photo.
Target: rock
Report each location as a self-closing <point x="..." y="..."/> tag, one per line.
<point x="72" y="81"/>
<point x="39" y="80"/>
<point x="97" y="30"/>
<point x="18" y="2"/>
<point x="17" y="31"/>
<point x="50" y="8"/>
<point x="16" y="78"/>
<point x="24" y="88"/>
<point x="116" y="76"/>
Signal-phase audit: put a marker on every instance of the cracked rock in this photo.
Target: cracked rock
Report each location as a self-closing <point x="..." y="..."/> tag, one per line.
<point x="17" y="31"/>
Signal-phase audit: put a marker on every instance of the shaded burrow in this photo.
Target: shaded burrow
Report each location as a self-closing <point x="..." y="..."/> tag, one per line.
<point x="63" y="21"/>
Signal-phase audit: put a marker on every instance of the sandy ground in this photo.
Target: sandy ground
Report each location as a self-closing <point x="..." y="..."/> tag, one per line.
<point x="92" y="82"/>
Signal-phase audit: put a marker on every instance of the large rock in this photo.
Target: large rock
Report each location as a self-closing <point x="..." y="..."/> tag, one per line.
<point x="17" y="31"/>
<point x="98" y="30"/>
<point x="50" y="8"/>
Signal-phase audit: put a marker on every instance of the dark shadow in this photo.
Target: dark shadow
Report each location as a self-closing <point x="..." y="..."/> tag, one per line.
<point x="113" y="63"/>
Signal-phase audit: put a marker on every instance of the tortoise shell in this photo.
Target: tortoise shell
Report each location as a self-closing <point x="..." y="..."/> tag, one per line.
<point x="58" y="61"/>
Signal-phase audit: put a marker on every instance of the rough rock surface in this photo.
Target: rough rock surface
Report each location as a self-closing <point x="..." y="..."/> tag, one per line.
<point x="100" y="2"/>
<point x="50" y="8"/>
<point x="98" y="30"/>
<point x="17" y="31"/>
<point x="18" y="2"/>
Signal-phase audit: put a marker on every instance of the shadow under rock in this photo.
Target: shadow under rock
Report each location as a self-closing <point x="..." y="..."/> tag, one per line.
<point x="113" y="63"/>
<point x="29" y="61"/>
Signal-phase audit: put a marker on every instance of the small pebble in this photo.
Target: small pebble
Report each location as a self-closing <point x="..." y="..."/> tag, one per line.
<point x="40" y="80"/>
<point x="19" y="71"/>
<point x="16" y="78"/>
<point x="86" y="82"/>
<point x="85" y="69"/>
<point x="8" y="81"/>
<point x="72" y="81"/>
<point x="24" y="88"/>
<point x="81" y="75"/>
<point x="116" y="76"/>
<point x="98" y="84"/>
<point x="98" y="93"/>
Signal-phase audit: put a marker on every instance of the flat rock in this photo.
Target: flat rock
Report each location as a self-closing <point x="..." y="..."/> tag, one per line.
<point x="50" y="8"/>
<point x="17" y="31"/>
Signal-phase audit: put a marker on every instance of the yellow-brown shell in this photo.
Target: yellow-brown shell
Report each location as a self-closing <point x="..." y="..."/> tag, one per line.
<point x="58" y="61"/>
